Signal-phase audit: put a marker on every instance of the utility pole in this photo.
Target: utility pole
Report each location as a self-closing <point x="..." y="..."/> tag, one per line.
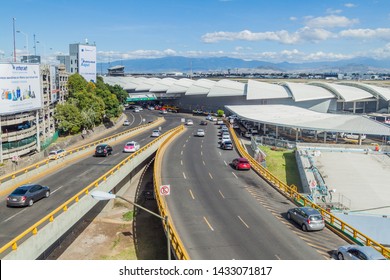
<point x="13" y="21"/>
<point x="35" y="46"/>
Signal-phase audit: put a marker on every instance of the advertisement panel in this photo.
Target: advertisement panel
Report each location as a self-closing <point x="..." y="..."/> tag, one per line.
<point x="87" y="62"/>
<point x="20" y="88"/>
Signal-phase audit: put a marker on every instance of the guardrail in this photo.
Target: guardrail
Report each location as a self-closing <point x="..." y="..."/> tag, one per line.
<point x="37" y="165"/>
<point x="49" y="218"/>
<point x="291" y="193"/>
<point x="176" y="244"/>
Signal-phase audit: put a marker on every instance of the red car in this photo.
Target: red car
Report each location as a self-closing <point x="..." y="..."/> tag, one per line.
<point x="241" y="164"/>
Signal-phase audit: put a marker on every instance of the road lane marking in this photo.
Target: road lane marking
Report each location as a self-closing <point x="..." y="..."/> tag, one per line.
<point x="184" y="175"/>
<point x="220" y="154"/>
<point x="186" y="140"/>
<point x="181" y="152"/>
<point x="221" y="194"/>
<point x="210" y="175"/>
<point x="234" y="174"/>
<point x="82" y="174"/>
<point x="243" y="221"/>
<point x="277" y="257"/>
<point x="60" y="187"/>
<point x="204" y="163"/>
<point x="225" y="162"/>
<point x="201" y="146"/>
<point x="181" y="162"/>
<point x="201" y="153"/>
<point x="13" y="216"/>
<point x="184" y="145"/>
<point x="192" y="195"/>
<point x="207" y="222"/>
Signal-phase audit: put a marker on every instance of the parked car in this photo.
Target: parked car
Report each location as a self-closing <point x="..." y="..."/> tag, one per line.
<point x="126" y="123"/>
<point x="26" y="195"/>
<point x="200" y="132"/>
<point x="226" y="145"/>
<point x="357" y="252"/>
<point x="309" y="219"/>
<point x="241" y="164"/>
<point x="189" y="122"/>
<point x="103" y="150"/>
<point x="56" y="154"/>
<point x="156" y="133"/>
<point x="203" y="123"/>
<point x="131" y="147"/>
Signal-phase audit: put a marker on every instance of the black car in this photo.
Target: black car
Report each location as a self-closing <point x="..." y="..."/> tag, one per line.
<point x="227" y="145"/>
<point x="26" y="195"/>
<point x="103" y="150"/>
<point x="203" y="123"/>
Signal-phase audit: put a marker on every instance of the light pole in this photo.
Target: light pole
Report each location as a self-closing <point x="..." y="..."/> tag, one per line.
<point x="28" y="54"/>
<point x="100" y="195"/>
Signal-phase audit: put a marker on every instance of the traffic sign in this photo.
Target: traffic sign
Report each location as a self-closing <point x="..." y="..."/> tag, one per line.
<point x="165" y="190"/>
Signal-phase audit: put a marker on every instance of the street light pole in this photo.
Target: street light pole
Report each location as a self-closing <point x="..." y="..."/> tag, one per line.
<point x="28" y="54"/>
<point x="100" y="195"/>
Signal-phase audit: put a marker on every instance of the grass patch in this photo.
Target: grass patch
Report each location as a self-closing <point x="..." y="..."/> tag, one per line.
<point x="128" y="216"/>
<point x="282" y="164"/>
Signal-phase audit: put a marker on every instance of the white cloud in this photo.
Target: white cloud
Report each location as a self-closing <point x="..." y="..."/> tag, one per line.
<point x="330" y="21"/>
<point x="282" y="36"/>
<point x="293" y="18"/>
<point x="379" y="33"/>
<point x="349" y="5"/>
<point x="333" y="11"/>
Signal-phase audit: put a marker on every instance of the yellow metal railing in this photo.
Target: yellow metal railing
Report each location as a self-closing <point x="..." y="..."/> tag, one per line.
<point x="176" y="243"/>
<point x="291" y="192"/>
<point x="34" y="229"/>
<point x="36" y="165"/>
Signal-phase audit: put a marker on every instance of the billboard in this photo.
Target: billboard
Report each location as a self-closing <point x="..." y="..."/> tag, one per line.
<point x="87" y="62"/>
<point x="20" y="88"/>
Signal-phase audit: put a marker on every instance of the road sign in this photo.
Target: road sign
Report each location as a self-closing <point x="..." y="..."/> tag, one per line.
<point x="165" y="190"/>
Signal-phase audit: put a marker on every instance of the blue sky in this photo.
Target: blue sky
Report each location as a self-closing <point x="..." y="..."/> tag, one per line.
<point x="272" y="30"/>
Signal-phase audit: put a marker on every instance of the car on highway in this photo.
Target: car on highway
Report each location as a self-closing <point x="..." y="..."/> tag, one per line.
<point x="225" y="137"/>
<point x="241" y="164"/>
<point x="126" y="123"/>
<point x="203" y="123"/>
<point x="357" y="252"/>
<point x="156" y="133"/>
<point x="56" y="154"/>
<point x="219" y="121"/>
<point x="189" y="122"/>
<point x="226" y="145"/>
<point x="26" y="195"/>
<point x="103" y="150"/>
<point x="200" y="132"/>
<point x="309" y="219"/>
<point x="131" y="147"/>
<point x="136" y="110"/>
<point x="209" y="118"/>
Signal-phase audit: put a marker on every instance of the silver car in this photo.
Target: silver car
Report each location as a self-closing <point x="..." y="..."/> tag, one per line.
<point x="26" y="195"/>
<point x="309" y="219"/>
<point x="357" y="252"/>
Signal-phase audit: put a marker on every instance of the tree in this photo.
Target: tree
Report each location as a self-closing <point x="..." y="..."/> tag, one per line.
<point x="220" y="113"/>
<point x="68" y="118"/>
<point x="113" y="108"/>
<point x="76" y="83"/>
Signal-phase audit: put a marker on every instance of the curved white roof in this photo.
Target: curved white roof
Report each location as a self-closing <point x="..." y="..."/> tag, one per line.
<point x="181" y="86"/>
<point x="304" y="92"/>
<point x="379" y="92"/>
<point x="346" y="93"/>
<point x="227" y="88"/>
<point x="262" y="90"/>
<point x="297" y="117"/>
<point x="162" y="85"/>
<point x="201" y="86"/>
<point x="145" y="84"/>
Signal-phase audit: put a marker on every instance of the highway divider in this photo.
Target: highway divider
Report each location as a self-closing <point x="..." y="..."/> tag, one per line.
<point x="291" y="192"/>
<point x="11" y="181"/>
<point x="37" y="238"/>
<point x="177" y="245"/>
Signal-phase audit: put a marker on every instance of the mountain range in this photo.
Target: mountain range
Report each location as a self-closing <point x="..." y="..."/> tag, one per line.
<point x="234" y="65"/>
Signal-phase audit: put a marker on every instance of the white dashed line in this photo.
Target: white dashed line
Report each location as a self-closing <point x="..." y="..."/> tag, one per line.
<point x="207" y="222"/>
<point x="235" y="175"/>
<point x="210" y="175"/>
<point x="221" y="194"/>
<point x="192" y="195"/>
<point x="184" y="175"/>
<point x="243" y="221"/>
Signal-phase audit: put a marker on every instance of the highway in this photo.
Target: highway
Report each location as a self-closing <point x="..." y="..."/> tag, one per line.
<point x="221" y="213"/>
<point x="72" y="177"/>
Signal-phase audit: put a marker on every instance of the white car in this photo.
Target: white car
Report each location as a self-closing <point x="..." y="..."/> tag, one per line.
<point x="156" y="133"/>
<point x="189" y="122"/>
<point x="131" y="147"/>
<point x="57" y="154"/>
<point x="225" y="138"/>
<point x="126" y="123"/>
<point x="200" y="132"/>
